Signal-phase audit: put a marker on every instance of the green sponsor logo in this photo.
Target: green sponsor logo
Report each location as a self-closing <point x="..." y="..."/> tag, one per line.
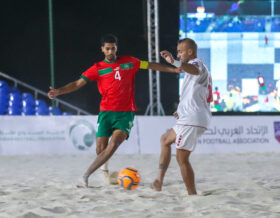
<point x="126" y="66"/>
<point x="82" y="134"/>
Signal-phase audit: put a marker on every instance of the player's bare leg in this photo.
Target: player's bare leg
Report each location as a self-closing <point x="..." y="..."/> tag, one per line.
<point x="101" y="144"/>
<point x="186" y="170"/>
<point x="165" y="156"/>
<point x="117" y="138"/>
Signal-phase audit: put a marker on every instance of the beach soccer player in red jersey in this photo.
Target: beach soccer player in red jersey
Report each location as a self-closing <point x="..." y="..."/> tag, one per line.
<point x="115" y="77"/>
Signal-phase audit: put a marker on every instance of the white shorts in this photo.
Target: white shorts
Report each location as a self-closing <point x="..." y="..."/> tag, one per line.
<point x="186" y="136"/>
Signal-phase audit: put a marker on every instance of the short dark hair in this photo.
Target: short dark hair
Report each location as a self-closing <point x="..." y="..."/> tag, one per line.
<point x="109" y="38"/>
<point x="191" y="44"/>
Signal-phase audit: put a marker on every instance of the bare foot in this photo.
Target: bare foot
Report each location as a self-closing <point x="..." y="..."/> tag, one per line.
<point x="156" y="185"/>
<point x="83" y="182"/>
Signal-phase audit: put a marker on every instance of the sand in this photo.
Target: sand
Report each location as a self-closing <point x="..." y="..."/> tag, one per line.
<point x="229" y="185"/>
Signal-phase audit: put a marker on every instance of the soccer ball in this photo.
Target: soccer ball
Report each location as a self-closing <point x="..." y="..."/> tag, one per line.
<point x="129" y="178"/>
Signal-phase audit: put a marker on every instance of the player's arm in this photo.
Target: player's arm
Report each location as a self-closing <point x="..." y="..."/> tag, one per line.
<point x="163" y="68"/>
<point x="158" y="66"/>
<point x="70" y="87"/>
<point x="189" y="68"/>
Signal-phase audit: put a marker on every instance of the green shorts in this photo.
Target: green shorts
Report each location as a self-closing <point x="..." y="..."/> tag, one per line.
<point x="108" y="121"/>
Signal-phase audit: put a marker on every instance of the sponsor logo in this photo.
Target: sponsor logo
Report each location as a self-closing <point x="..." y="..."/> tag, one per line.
<point x="82" y="134"/>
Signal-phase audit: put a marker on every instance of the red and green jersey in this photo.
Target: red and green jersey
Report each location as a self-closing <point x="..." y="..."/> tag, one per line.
<point x="115" y="81"/>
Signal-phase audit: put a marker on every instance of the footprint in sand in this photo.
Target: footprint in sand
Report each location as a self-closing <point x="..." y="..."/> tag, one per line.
<point x="149" y="196"/>
<point x="178" y="209"/>
<point x="55" y="209"/>
<point x="30" y="215"/>
<point x="93" y="197"/>
<point x="100" y="209"/>
<point x="212" y="192"/>
<point x="245" y="195"/>
<point x="4" y="193"/>
<point x="26" y="190"/>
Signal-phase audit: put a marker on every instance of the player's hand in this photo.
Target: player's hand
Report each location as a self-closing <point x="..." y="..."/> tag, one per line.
<point x="175" y="114"/>
<point x="167" y="56"/>
<point x="177" y="70"/>
<point x="53" y="93"/>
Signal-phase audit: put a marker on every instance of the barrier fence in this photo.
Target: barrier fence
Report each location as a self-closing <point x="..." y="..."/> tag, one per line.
<point x="76" y="134"/>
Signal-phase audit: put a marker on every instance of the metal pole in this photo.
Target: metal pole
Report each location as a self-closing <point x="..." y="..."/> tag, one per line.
<point x="51" y="48"/>
<point x="150" y="56"/>
<point x="153" y="54"/>
<point x="157" y="54"/>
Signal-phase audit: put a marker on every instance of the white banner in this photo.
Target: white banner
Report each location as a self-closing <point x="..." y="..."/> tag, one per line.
<point x="241" y="134"/>
<point x="72" y="134"/>
<point x="46" y="134"/>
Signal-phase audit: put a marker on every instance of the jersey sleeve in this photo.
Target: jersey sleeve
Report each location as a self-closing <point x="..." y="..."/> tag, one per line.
<point x="91" y="74"/>
<point x="198" y="64"/>
<point x="139" y="64"/>
<point x="135" y="61"/>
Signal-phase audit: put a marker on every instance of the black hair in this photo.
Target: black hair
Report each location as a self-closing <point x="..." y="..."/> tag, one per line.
<point x="110" y="38"/>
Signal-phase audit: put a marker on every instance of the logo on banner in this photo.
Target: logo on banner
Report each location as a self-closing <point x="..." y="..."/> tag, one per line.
<point x="82" y="134"/>
<point x="277" y="131"/>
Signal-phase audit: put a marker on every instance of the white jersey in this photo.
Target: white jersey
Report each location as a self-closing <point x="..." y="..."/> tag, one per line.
<point x="194" y="109"/>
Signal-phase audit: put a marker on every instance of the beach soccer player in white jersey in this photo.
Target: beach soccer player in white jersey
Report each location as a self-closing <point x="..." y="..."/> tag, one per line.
<point x="193" y="113"/>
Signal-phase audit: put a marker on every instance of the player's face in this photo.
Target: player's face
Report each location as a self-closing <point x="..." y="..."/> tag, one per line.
<point x="184" y="52"/>
<point x="110" y="51"/>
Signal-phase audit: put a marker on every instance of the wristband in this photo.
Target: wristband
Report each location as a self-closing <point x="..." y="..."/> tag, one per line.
<point x="144" y="64"/>
<point x="177" y="64"/>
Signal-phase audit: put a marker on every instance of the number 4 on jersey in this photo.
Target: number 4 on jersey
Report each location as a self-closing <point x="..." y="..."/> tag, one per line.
<point x="117" y="75"/>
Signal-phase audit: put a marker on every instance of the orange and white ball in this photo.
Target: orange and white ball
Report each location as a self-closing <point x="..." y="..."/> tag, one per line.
<point x="129" y="178"/>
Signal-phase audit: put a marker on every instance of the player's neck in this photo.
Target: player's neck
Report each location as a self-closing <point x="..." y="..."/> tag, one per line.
<point x="192" y="57"/>
<point x="110" y="60"/>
